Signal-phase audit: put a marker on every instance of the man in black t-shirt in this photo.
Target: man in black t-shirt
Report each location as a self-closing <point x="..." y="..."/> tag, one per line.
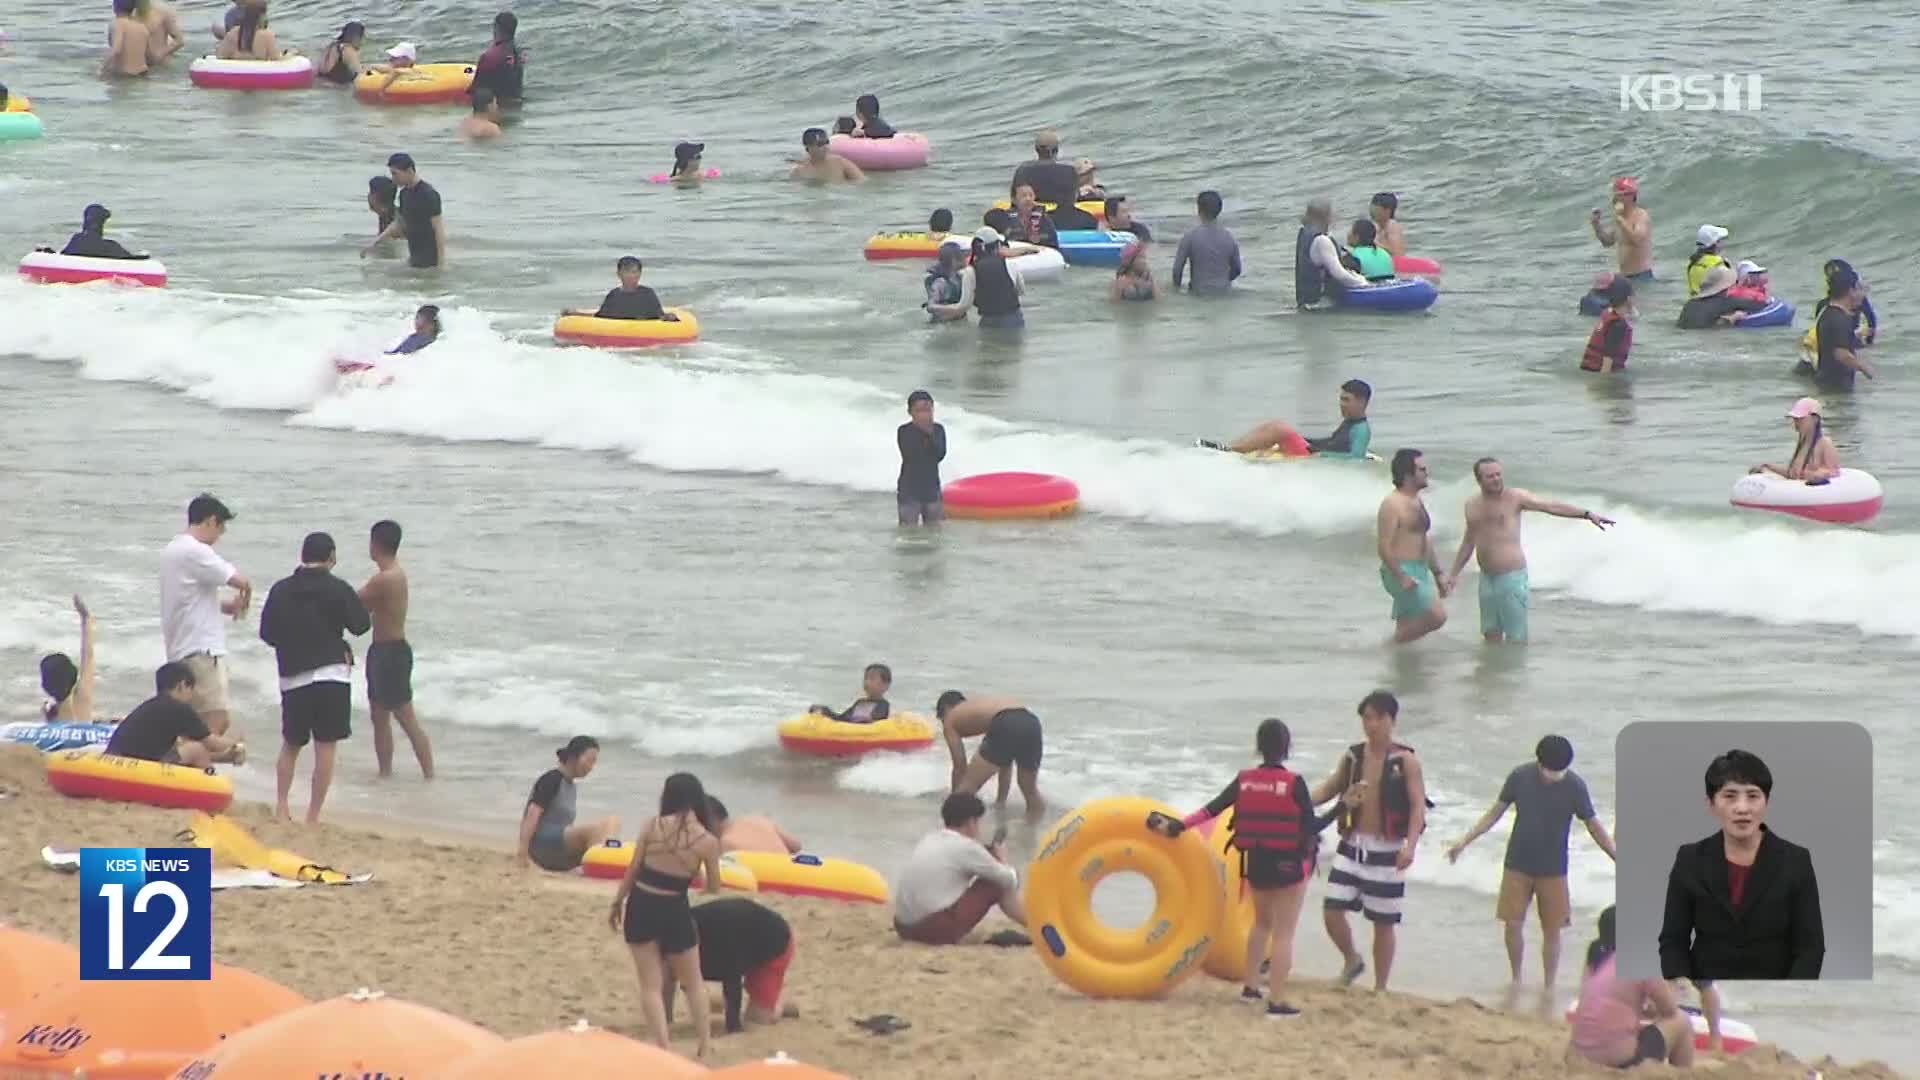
<point x="1836" y="350"/>
<point x="166" y="728"/>
<point x="631" y="300"/>
<point x="419" y="219"/>
<point x="743" y="946"/>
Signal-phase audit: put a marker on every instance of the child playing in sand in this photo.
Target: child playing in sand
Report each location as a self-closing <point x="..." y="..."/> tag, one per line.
<point x="872" y="705"/>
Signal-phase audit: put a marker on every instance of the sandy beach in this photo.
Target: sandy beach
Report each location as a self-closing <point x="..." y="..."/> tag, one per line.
<point x="453" y="925"/>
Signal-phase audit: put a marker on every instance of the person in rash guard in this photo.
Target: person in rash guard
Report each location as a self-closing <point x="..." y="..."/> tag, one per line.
<point x="1208" y="249"/>
<point x="866" y="111"/>
<point x="550" y="837"/>
<point x="419" y="218"/>
<point x="630" y="300"/>
<point x="746" y="947"/>
<point x="1349" y="440"/>
<point x="1866" y="322"/>
<point x="1318" y="271"/>
<point x="1277" y="835"/>
<point x="426" y="331"/>
<point x="1750" y="282"/>
<point x="1620" y="1022"/>
<point x="871" y="705"/>
<point x="91" y="241"/>
<point x="502" y="67"/>
<point x="1364" y="256"/>
<point x="923" y="446"/>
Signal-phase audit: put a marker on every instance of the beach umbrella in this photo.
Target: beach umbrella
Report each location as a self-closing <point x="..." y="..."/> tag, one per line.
<point x="365" y="1033"/>
<point x="572" y="1053"/>
<point x="29" y="964"/>
<point x="135" y="1030"/>
<point x="777" y="1067"/>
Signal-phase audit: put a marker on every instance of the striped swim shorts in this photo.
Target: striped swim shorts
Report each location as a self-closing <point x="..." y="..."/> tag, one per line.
<point x="1363" y="878"/>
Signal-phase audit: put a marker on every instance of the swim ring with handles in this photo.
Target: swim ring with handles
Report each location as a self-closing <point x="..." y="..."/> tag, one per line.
<point x="1095" y="207"/>
<point x="287" y="73"/>
<point x="90" y="774"/>
<point x="421" y="84"/>
<point x="1112" y="836"/>
<point x="1011" y="495"/>
<point x="609" y="861"/>
<point x="1400" y="294"/>
<point x="1850" y="497"/>
<point x="823" y="736"/>
<point x="910" y="245"/>
<point x="906" y="150"/>
<point x="53" y="268"/>
<point x="1228" y="957"/>
<point x="820" y="876"/>
<point x="627" y="333"/>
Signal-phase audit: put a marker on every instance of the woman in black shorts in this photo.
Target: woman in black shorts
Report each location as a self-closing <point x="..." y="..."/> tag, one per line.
<point x="652" y="907"/>
<point x="1277" y="835"/>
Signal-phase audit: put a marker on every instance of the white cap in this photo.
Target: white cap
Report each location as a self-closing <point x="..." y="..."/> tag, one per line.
<point x="956" y="241"/>
<point x="987" y="234"/>
<point x="1748" y="266"/>
<point x="404" y="51"/>
<point x="1709" y="235"/>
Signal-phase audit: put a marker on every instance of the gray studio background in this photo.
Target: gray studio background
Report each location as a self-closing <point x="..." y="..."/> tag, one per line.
<point x="1822" y="800"/>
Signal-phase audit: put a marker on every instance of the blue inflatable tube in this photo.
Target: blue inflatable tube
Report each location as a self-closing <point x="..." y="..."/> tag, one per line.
<point x="1400" y="294"/>
<point x="1094" y="247"/>
<point x="1777" y="313"/>
<point x="60" y="736"/>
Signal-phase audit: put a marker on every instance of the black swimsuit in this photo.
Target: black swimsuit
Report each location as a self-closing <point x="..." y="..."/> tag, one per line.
<point x="664" y="919"/>
<point x="339" y="72"/>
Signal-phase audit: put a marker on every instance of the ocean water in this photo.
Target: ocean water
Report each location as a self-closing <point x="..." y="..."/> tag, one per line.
<point x="673" y="550"/>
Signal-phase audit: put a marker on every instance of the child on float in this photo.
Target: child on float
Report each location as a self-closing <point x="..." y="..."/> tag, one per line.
<point x="871" y="706"/>
<point x="1278" y="837"/>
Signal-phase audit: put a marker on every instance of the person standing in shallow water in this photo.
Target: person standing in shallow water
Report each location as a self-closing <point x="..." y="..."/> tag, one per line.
<point x="1493" y="530"/>
<point x="419" y="217"/>
<point x="923" y="446"/>
<point x="1409" y="568"/>
<point x="390" y="658"/>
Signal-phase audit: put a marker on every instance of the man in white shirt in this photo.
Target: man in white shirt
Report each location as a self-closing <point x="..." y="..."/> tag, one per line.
<point x="191" y="577"/>
<point x="952" y="880"/>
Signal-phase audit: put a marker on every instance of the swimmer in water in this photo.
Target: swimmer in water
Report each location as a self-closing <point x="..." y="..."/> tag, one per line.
<point x="1349" y="440"/>
<point x="871" y="705"/>
<point x="164" y="36"/>
<point x="943" y="283"/>
<point x="426" y="331"/>
<point x="823" y="166"/>
<point x="1814" y="458"/>
<point x="1382" y="211"/>
<point x="686" y="163"/>
<point x="1409" y="568"/>
<point x="630" y="300"/>
<point x="866" y="109"/>
<point x="1134" y="279"/>
<point x="382" y="198"/>
<point x="1630" y="234"/>
<point x="126" y="43"/>
<point x="484" y="121"/>
<point x="251" y="39"/>
<point x="340" y="60"/>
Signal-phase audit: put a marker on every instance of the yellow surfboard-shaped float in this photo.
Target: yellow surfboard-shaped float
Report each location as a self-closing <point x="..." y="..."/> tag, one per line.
<point x="233" y="845"/>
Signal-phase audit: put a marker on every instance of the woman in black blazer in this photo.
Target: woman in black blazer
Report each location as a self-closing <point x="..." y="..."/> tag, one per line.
<point x="1742" y="903"/>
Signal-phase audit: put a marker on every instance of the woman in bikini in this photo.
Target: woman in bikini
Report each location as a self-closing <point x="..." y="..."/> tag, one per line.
<point x="652" y="908"/>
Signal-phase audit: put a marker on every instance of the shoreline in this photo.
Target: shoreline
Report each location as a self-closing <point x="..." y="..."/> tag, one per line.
<point x="519" y="953"/>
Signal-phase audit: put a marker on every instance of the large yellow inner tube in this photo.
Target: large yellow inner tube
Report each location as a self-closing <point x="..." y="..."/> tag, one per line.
<point x="1228" y="957"/>
<point x="421" y="84"/>
<point x="1107" y="837"/>
<point x="627" y="333"/>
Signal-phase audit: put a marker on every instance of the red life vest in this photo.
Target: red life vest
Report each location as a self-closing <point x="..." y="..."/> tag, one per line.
<point x="1592" y="359"/>
<point x="1266" y="816"/>
<point x="1396" y="796"/>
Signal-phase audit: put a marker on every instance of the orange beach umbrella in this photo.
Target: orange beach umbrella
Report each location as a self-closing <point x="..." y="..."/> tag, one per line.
<point x="572" y="1053"/>
<point x="365" y="1033"/>
<point x="29" y="964"/>
<point x="135" y="1030"/>
<point x="777" y="1067"/>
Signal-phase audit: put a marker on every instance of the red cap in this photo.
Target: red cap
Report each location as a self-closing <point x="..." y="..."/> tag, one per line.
<point x="1626" y="185"/>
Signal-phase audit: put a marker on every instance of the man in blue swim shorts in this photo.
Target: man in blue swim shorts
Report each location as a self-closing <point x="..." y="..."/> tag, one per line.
<point x="1409" y="569"/>
<point x="1493" y="529"/>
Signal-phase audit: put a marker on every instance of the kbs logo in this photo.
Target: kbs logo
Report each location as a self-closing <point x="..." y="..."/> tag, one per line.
<point x="1689" y="93"/>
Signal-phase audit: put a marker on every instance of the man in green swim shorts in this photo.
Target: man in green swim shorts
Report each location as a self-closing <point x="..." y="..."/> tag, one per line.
<point x="1493" y="528"/>
<point x="1409" y="569"/>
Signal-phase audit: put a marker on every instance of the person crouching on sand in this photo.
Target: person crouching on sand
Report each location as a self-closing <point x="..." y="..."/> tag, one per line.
<point x="1277" y="836"/>
<point x="549" y="836"/>
<point x="1608" y="1024"/>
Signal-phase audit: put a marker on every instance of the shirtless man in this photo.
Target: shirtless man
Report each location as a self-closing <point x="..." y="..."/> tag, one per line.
<point x="390" y="658"/>
<point x="126" y="43"/>
<point x="1391" y="236"/>
<point x="1409" y="569"/>
<point x="1385" y="792"/>
<point x="822" y="165"/>
<point x="1631" y="234"/>
<point x="1493" y="527"/>
<point x="484" y="121"/>
<point x="164" y="36"/>
<point x="1010" y="739"/>
<point x="751" y="832"/>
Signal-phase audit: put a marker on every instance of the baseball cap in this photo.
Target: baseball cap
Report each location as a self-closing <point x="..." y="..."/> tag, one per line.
<point x="955" y="242"/>
<point x="1082" y="166"/>
<point x="404" y="51"/>
<point x="1748" y="266"/>
<point x="987" y="234"/>
<point x="1046" y="137"/>
<point x="1806" y="406"/>
<point x="1626" y="185"/>
<point x="1718" y="280"/>
<point x="1709" y="235"/>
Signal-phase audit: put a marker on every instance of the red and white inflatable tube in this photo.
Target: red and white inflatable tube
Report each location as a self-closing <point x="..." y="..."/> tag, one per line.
<point x="1011" y="495"/>
<point x="1849" y="498"/>
<point x="52" y="268"/>
<point x="906" y="150"/>
<point x="1735" y="1035"/>
<point x="213" y="73"/>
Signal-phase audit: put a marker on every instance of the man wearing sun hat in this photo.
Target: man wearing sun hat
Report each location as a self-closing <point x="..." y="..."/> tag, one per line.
<point x="1631" y="234"/>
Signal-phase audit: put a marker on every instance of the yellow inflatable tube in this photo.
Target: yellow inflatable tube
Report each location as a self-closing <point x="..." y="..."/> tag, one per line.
<point x="233" y="845"/>
<point x="1228" y="957"/>
<point x="92" y="774"/>
<point x="814" y="875"/>
<point x="811" y="733"/>
<point x="609" y="862"/>
<point x="627" y="333"/>
<point x="421" y="84"/>
<point x="1097" y="208"/>
<point x="1111" y="836"/>
<point x="17" y="103"/>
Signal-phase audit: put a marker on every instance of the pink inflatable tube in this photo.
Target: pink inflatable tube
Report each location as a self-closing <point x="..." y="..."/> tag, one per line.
<point x="212" y="73"/>
<point x="906" y="150"/>
<point x="663" y="178"/>
<point x="49" y="268"/>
